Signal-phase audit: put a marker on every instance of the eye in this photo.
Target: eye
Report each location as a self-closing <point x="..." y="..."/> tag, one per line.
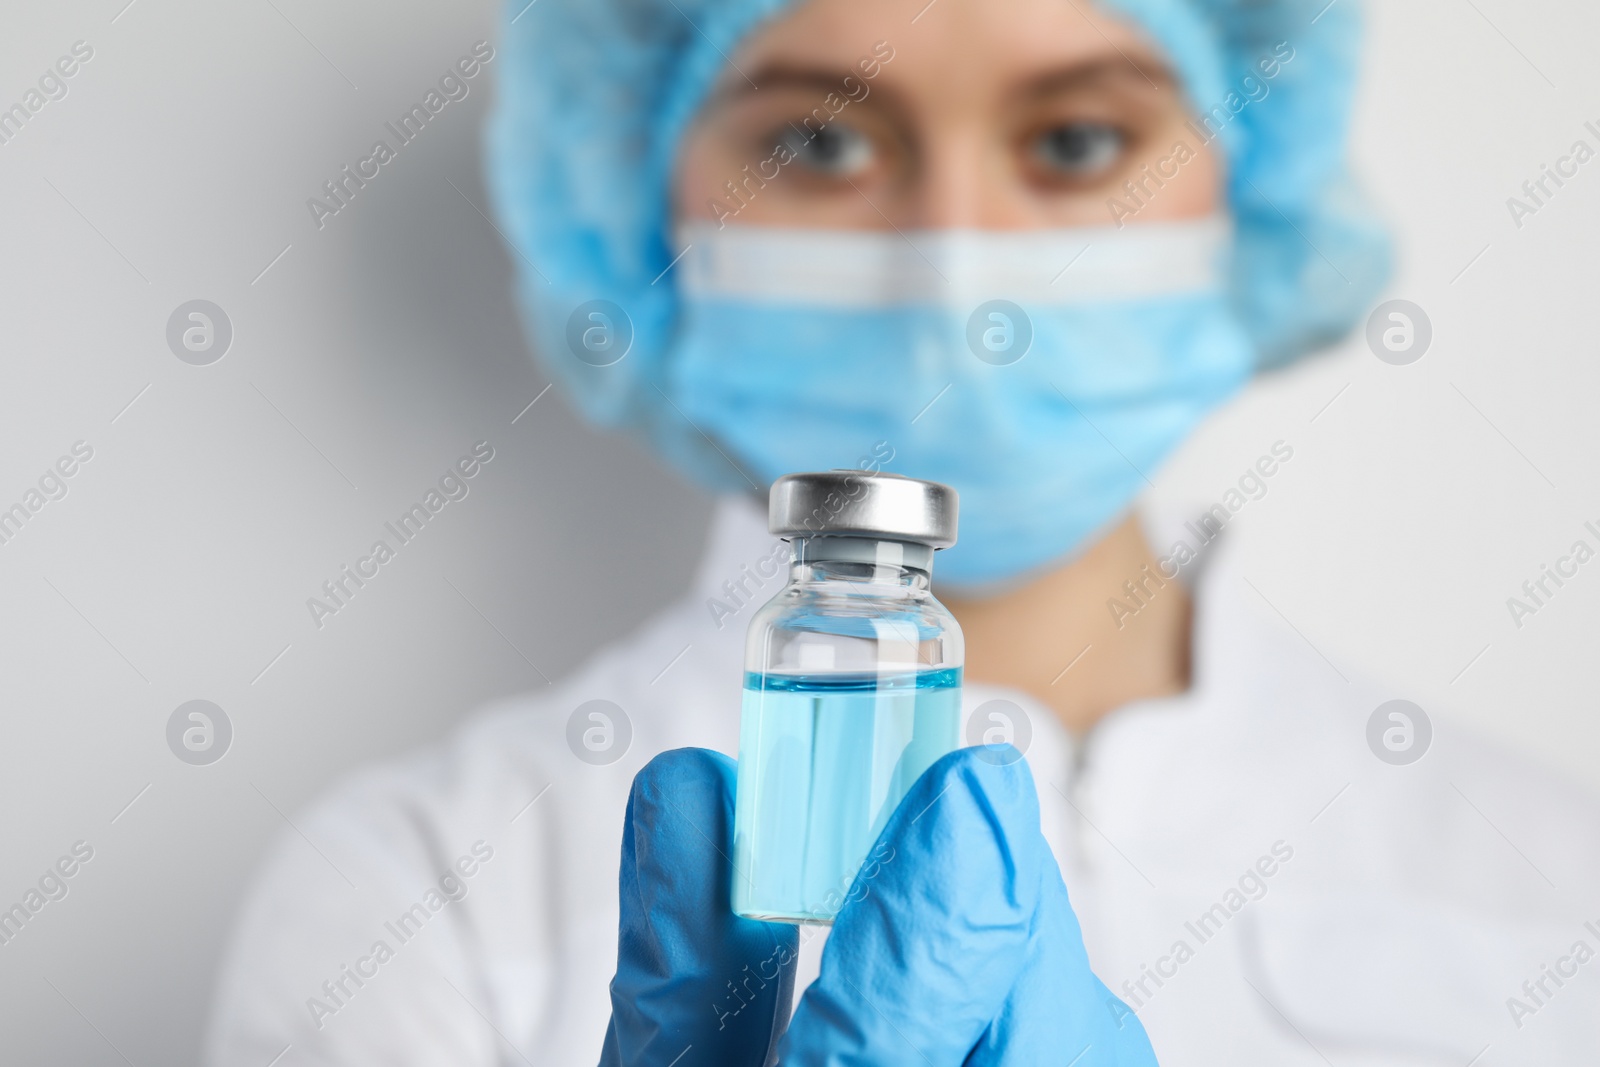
<point x="835" y="150"/>
<point x="1079" y="149"/>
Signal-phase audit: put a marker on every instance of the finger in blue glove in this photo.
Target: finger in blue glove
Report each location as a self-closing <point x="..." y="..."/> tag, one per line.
<point x="695" y="983"/>
<point x="961" y="947"/>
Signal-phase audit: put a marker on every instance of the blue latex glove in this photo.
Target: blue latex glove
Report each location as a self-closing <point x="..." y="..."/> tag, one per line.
<point x="957" y="947"/>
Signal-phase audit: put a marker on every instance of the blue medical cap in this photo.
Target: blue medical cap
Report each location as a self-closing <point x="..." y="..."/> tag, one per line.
<point x="595" y="95"/>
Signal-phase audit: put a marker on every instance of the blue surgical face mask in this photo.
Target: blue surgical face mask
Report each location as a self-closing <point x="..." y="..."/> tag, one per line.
<point x="1042" y="373"/>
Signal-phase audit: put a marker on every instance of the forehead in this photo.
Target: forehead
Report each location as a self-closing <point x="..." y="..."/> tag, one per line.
<point x="954" y="44"/>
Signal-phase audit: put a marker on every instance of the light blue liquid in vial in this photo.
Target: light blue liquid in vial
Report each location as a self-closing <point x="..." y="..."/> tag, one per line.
<point x="823" y="762"/>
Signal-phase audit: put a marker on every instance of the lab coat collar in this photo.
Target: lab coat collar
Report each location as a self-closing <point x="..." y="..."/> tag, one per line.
<point x="744" y="566"/>
<point x="731" y="569"/>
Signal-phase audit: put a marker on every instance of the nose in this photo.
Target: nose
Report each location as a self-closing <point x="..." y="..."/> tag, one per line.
<point x="961" y="179"/>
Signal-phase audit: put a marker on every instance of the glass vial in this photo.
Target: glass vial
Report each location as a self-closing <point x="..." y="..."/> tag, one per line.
<point x="852" y="687"/>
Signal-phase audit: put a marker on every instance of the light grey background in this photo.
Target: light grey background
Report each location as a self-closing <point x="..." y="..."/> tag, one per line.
<point x="375" y="351"/>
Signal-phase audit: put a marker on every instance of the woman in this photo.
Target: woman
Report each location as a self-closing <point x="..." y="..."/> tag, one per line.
<point x="1022" y="247"/>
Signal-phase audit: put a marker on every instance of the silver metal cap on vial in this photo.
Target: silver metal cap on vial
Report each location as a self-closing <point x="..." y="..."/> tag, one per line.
<point x="854" y="503"/>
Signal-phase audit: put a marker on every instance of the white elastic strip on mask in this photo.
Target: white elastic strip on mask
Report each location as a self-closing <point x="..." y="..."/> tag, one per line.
<point x="871" y="268"/>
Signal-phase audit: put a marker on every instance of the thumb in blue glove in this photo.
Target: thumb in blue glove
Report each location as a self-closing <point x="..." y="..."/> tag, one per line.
<point x="963" y="948"/>
<point x="695" y="983"/>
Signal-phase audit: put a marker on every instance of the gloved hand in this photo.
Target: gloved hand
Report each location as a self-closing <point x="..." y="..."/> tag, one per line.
<point x="957" y="946"/>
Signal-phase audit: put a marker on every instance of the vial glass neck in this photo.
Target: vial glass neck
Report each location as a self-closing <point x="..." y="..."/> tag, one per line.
<point x="902" y="564"/>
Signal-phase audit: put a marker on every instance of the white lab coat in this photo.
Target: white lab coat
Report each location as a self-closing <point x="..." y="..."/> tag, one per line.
<point x="1404" y="905"/>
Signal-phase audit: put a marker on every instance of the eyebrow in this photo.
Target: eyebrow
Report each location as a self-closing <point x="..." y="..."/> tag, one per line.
<point x="1098" y="72"/>
<point x="789" y="76"/>
<point x="822" y="80"/>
